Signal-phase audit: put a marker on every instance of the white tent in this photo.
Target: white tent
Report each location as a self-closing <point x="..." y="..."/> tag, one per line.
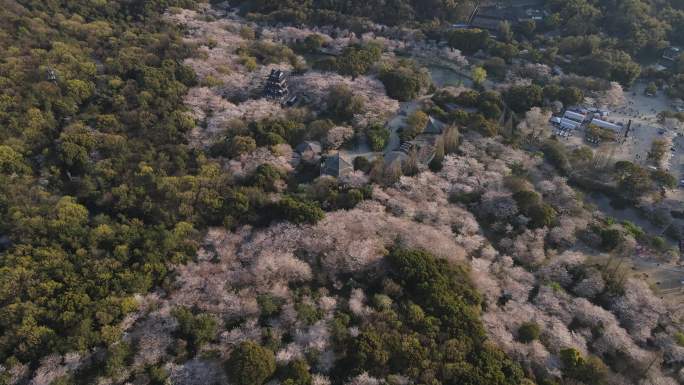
<point x="606" y="125"/>
<point x="568" y="124"/>
<point x="574" y="116"/>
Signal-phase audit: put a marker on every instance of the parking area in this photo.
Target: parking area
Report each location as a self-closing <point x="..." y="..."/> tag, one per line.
<point x="638" y="118"/>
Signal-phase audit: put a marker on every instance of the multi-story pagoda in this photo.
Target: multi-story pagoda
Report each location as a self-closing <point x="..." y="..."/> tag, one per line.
<point x="276" y="85"/>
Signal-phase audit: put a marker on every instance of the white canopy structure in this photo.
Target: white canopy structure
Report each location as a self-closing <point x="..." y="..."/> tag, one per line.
<point x="576" y="116"/>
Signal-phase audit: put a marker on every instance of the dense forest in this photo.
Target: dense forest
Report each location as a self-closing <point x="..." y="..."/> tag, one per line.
<point x="607" y="38"/>
<point x="100" y="191"/>
<point x="92" y="128"/>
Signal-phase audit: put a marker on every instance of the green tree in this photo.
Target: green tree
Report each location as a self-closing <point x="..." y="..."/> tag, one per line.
<point x="241" y="145"/>
<point x="527" y="28"/>
<point x="247" y="33"/>
<point x="357" y="60"/>
<point x="479" y="75"/>
<point x="531" y="205"/>
<point x="117" y="358"/>
<point x="342" y="103"/>
<point x="468" y="40"/>
<point x="196" y="329"/>
<point x="269" y="306"/>
<point x="505" y="31"/>
<point x="632" y="179"/>
<point x="297" y="211"/>
<point x="377" y="135"/>
<point x="313" y="42"/>
<point x="11" y="161"/>
<point x="679" y="338"/>
<point x="496" y="67"/>
<point x="610" y="239"/>
<point x="522" y="98"/>
<point x="658" y="150"/>
<point x="403" y="82"/>
<point x="297" y="373"/>
<point x="664" y="179"/>
<point x="556" y="154"/>
<point x="266" y="177"/>
<point x="415" y="124"/>
<point x="250" y="364"/>
<point x="570" y="96"/>
<point x="361" y="163"/>
<point x="589" y="370"/>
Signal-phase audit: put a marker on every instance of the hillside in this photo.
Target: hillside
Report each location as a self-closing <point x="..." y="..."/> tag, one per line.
<point x="260" y="192"/>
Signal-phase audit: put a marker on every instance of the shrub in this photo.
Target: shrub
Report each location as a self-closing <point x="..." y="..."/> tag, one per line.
<point x="679" y="338"/>
<point x="266" y="177"/>
<point x="196" y="329"/>
<point x="357" y="60"/>
<point x="465" y="198"/>
<point x="158" y="375"/>
<point x="659" y="243"/>
<point x="528" y="332"/>
<point x="436" y="164"/>
<point x="269" y="306"/>
<point x="308" y="314"/>
<point x="557" y="156"/>
<point x="241" y="145"/>
<point x="589" y="370"/>
<point x="342" y="103"/>
<point x="542" y="215"/>
<point x="361" y="163"/>
<point x="496" y="66"/>
<point x="664" y="178"/>
<point x="377" y="135"/>
<point x="297" y="211"/>
<point x="313" y="42"/>
<point x="636" y="231"/>
<point x="610" y="239"/>
<point x="297" y="373"/>
<point x="349" y="199"/>
<point x="415" y="124"/>
<point x="117" y="358"/>
<point x="523" y="98"/>
<point x="468" y="41"/>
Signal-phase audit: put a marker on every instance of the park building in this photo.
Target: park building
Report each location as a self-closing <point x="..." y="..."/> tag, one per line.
<point x="335" y="165"/>
<point x="606" y="125"/>
<point x="433" y="127"/>
<point x="569" y="124"/>
<point x="671" y="54"/>
<point x="309" y="151"/>
<point x="575" y="116"/>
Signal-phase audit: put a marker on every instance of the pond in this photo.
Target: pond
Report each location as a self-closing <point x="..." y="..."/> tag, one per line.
<point x="443" y="76"/>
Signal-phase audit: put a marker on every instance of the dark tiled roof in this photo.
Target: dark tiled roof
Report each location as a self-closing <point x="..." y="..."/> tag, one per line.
<point x="336" y="166"/>
<point x="308" y="146"/>
<point x="433" y="126"/>
<point x="395" y="156"/>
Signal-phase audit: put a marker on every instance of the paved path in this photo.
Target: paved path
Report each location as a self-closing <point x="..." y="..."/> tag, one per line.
<point x="394" y="124"/>
<point x="398" y="122"/>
